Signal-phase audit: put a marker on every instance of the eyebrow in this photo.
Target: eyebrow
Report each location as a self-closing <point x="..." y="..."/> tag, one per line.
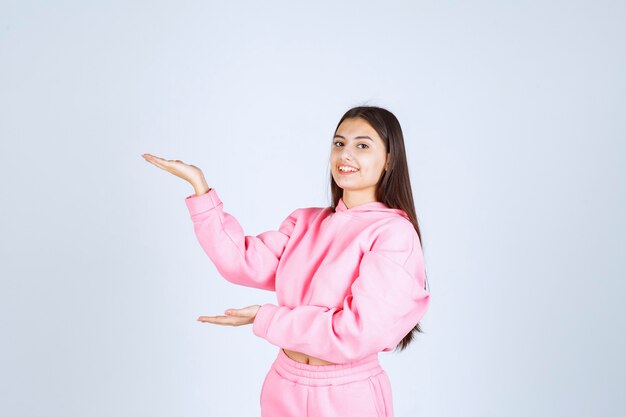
<point x="356" y="137"/>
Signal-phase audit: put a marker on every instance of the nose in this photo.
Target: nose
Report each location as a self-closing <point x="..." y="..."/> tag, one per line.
<point x="346" y="154"/>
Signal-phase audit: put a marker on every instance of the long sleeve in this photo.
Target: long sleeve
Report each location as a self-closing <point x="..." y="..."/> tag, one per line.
<point x="386" y="301"/>
<point x="250" y="261"/>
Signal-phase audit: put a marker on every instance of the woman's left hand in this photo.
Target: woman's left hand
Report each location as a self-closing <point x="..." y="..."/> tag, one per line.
<point x="234" y="316"/>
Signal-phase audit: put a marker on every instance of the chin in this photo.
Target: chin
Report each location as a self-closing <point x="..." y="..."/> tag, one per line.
<point x="349" y="187"/>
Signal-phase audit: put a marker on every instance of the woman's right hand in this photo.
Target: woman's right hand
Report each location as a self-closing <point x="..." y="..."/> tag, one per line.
<point x="190" y="173"/>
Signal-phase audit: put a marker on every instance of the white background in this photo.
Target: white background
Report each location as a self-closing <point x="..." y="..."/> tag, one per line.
<point x="514" y="120"/>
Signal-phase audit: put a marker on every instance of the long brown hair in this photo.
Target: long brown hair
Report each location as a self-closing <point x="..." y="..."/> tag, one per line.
<point x="394" y="186"/>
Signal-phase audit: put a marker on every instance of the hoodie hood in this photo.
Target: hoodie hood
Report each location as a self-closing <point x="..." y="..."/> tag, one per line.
<point x="371" y="208"/>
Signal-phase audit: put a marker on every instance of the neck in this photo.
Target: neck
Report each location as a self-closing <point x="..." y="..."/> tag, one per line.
<point x="356" y="198"/>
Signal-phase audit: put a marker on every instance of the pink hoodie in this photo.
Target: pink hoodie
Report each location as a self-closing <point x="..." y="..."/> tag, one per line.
<point x="349" y="284"/>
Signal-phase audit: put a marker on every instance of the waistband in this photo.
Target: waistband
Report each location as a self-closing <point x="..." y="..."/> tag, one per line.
<point x="334" y="374"/>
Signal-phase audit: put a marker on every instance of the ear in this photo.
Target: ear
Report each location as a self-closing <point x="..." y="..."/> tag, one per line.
<point x="387" y="162"/>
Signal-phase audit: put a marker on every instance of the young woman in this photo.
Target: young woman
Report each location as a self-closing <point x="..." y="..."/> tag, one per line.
<point x="349" y="278"/>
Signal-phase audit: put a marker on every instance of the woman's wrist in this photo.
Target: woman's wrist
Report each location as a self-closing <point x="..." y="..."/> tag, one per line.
<point x="201" y="190"/>
<point x="200" y="187"/>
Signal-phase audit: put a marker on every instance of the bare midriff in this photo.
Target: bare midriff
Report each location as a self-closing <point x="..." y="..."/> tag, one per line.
<point x="304" y="358"/>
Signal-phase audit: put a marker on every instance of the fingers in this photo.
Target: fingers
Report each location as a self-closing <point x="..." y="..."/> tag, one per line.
<point x="225" y="320"/>
<point x="233" y="316"/>
<point x="160" y="162"/>
<point x="155" y="160"/>
<point x="189" y="173"/>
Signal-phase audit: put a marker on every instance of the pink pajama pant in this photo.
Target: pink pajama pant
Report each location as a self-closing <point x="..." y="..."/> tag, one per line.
<point x="294" y="389"/>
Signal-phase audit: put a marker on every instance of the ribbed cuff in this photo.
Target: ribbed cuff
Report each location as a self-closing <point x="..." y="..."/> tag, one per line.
<point x="201" y="203"/>
<point x="263" y="318"/>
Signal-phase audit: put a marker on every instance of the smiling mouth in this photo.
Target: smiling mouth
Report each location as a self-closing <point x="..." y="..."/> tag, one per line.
<point x="345" y="169"/>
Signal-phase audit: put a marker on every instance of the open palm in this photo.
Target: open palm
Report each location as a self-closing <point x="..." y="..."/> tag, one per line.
<point x="188" y="172"/>
<point x="233" y="317"/>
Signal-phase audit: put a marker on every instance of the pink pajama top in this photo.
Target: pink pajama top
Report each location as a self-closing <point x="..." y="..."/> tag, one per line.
<point x="349" y="283"/>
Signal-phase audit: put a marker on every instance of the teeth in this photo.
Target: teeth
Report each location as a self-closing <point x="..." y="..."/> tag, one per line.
<point x="347" y="169"/>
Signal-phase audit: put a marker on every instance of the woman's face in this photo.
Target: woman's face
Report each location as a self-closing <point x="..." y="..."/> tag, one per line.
<point x="356" y="145"/>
